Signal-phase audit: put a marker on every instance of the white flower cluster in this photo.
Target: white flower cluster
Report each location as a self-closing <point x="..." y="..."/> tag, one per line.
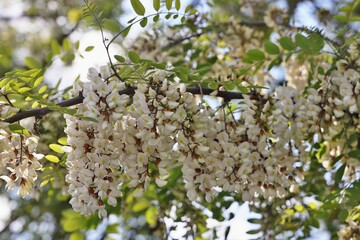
<point x="350" y="231"/>
<point x="342" y="116"/>
<point x="93" y="164"/>
<point x="149" y="130"/>
<point x="258" y="154"/>
<point x="19" y="161"/>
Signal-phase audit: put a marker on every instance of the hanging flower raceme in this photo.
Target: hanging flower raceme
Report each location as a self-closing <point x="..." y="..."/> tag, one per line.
<point x="93" y="164"/>
<point x="19" y="161"/>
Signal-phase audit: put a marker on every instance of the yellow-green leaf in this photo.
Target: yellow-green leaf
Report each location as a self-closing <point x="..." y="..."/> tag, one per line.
<point x="24" y="89"/>
<point x="35" y="104"/>
<point x="43" y="183"/>
<point x="63" y="141"/>
<point x="66" y="45"/>
<point x="77" y="236"/>
<point x="151" y="216"/>
<point x="52" y="158"/>
<point x="38" y="81"/>
<point x="32" y="62"/>
<point x="141" y="205"/>
<point x="138" y="7"/>
<point x="55" y="47"/>
<point x="42" y="89"/>
<point x="56" y="148"/>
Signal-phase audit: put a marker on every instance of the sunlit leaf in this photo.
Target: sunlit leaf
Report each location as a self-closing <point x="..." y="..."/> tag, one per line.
<point x="151" y="216"/>
<point x="38" y="81"/>
<point x="56" y="148"/>
<point x="52" y="158"/>
<point x="63" y="141"/>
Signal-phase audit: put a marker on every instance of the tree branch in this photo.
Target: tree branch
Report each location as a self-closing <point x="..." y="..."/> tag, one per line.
<point x="40" y="112"/>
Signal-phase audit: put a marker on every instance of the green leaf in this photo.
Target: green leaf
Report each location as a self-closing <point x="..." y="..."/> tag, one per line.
<point x="254" y="220"/>
<point x="156" y="18"/>
<point x="183" y="76"/>
<point x="32" y="62"/>
<point x="341" y="18"/>
<point x="15" y="127"/>
<point x="255" y="231"/>
<point x="168" y="4"/>
<point x="354" y="154"/>
<point x="119" y="58"/>
<point x="52" y="158"/>
<point x="339" y="173"/>
<point x="111" y="25"/>
<point x="156" y="4"/>
<point x="192" y="12"/>
<point x="55" y="47"/>
<point x="316" y="42"/>
<point x="315" y="223"/>
<point x="343" y="215"/>
<point x="143" y="22"/>
<point x="188" y="8"/>
<point x="302" y="41"/>
<point x="66" y="44"/>
<point x="126" y="31"/>
<point x="89" y="48"/>
<point x="243" y="89"/>
<point x="271" y="48"/>
<point x="134" y="57"/>
<point x="354" y="193"/>
<point x="138" y="7"/>
<point x="287" y="43"/>
<point x="56" y="148"/>
<point x="177" y="4"/>
<point x="132" y="20"/>
<point x="353" y="137"/>
<point x="255" y="55"/>
<point x="335" y="160"/>
<point x="151" y="216"/>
